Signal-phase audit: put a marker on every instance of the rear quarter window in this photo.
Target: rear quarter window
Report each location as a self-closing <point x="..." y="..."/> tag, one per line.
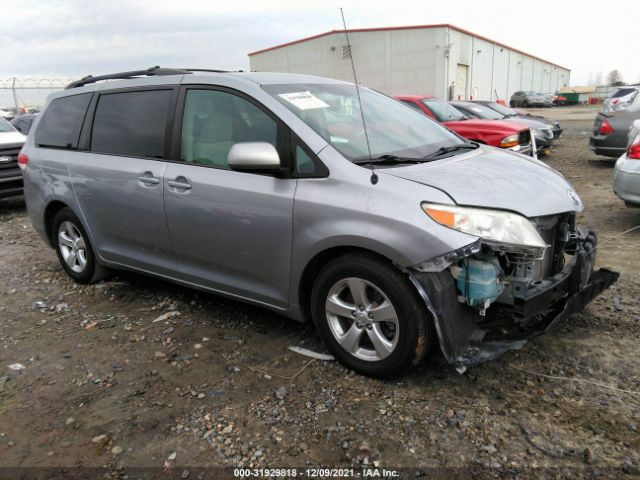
<point x="61" y="122"/>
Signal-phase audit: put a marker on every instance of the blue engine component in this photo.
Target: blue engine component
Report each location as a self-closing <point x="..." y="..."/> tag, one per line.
<point x="478" y="280"/>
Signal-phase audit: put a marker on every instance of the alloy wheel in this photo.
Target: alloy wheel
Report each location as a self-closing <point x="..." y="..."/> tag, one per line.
<point x="362" y="319"/>
<point x="72" y="246"/>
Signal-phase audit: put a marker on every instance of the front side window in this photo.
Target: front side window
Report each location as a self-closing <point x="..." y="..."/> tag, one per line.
<point x="480" y="111"/>
<point x="4" y="126"/>
<point x="131" y="123"/>
<point x="506" y="111"/>
<point x="214" y="120"/>
<point x="61" y="122"/>
<point x="412" y="105"/>
<point x="442" y="110"/>
<point x="333" y="111"/>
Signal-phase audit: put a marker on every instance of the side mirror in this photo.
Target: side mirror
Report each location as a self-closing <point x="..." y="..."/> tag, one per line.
<point x="254" y="157"/>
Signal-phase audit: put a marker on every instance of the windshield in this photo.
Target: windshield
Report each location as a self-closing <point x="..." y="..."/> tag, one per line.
<point x="4" y="126"/>
<point x="483" y="112"/>
<point x="442" y="110"/>
<point x="502" y="109"/>
<point x="392" y="127"/>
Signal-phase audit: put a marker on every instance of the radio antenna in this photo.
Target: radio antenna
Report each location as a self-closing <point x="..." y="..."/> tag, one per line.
<point x="374" y="177"/>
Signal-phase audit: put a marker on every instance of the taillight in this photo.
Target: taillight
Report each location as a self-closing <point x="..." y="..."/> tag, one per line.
<point x="634" y="151"/>
<point x="605" y="128"/>
<point x="23" y="160"/>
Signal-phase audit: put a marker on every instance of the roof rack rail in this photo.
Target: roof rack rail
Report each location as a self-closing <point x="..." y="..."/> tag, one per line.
<point x="149" y="72"/>
<point x="207" y="70"/>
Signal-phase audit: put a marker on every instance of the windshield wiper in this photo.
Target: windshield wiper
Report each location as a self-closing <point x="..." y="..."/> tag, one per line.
<point x="386" y="160"/>
<point x="452" y="148"/>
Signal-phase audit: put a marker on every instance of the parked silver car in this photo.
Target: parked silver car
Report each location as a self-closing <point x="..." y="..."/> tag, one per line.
<point x="527" y="99"/>
<point x="267" y="188"/>
<point x="622" y="99"/>
<point x="626" y="175"/>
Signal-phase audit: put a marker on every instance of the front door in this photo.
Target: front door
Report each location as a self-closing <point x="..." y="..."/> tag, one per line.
<point x="230" y="231"/>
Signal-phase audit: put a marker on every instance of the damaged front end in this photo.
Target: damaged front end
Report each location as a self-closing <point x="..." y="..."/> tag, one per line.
<point x="490" y="297"/>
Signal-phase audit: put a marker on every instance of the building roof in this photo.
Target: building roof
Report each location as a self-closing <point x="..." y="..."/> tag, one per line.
<point x="407" y="27"/>
<point x="579" y="89"/>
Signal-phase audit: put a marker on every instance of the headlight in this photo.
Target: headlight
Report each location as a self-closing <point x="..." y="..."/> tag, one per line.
<point x="496" y="227"/>
<point x="510" y="141"/>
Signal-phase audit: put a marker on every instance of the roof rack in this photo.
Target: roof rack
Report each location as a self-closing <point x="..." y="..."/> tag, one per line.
<point x="149" y="72"/>
<point x="207" y="70"/>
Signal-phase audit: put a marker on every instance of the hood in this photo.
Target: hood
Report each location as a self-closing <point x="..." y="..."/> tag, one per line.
<point x="527" y="122"/>
<point x="485" y="125"/>
<point x="11" y="138"/>
<point x="494" y="178"/>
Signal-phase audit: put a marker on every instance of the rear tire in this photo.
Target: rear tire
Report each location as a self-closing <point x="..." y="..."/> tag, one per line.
<point x="74" y="250"/>
<point x="370" y="316"/>
<point x="512" y="104"/>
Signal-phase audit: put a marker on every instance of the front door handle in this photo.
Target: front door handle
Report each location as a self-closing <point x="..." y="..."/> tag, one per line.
<point x="149" y="179"/>
<point x="179" y="183"/>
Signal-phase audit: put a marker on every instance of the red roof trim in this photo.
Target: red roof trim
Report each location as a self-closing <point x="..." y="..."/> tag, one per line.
<point x="408" y="27"/>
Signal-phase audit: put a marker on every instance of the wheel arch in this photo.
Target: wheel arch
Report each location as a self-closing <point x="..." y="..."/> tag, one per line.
<point x="315" y="265"/>
<point x="50" y="212"/>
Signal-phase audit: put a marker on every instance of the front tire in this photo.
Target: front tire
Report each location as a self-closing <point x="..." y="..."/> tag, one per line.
<point x="370" y="316"/>
<point x="74" y="250"/>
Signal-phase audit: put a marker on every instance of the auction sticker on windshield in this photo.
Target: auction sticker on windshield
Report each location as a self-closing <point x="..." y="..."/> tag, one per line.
<point x="303" y="100"/>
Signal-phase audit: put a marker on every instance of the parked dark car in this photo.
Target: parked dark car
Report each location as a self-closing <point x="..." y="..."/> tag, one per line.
<point x="542" y="133"/>
<point x="611" y="130"/>
<point x="527" y="99"/>
<point x="11" y="141"/>
<point x="23" y="123"/>
<point x="509" y="112"/>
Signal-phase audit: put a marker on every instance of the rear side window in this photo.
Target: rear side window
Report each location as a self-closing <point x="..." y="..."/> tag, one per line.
<point x="131" y="123"/>
<point x="412" y="105"/>
<point x="61" y="122"/>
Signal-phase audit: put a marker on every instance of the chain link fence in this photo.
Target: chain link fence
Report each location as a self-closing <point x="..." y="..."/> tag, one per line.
<point x="22" y="95"/>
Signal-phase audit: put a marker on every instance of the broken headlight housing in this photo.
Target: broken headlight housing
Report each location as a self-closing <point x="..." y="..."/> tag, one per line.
<point x="502" y="230"/>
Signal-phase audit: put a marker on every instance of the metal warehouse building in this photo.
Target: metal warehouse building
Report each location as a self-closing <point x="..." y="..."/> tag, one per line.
<point x="440" y="60"/>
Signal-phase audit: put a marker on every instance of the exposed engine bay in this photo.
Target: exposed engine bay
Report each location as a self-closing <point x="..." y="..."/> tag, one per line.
<point x="488" y="298"/>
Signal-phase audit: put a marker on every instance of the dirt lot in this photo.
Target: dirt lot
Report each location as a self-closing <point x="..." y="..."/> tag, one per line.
<point x="106" y="386"/>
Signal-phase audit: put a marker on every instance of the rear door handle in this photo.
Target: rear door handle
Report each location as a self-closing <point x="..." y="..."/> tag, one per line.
<point x="184" y="185"/>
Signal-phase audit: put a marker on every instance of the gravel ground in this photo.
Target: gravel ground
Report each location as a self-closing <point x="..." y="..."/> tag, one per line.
<point x="135" y="372"/>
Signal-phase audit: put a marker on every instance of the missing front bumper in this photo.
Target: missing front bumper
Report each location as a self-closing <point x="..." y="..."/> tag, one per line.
<point x="466" y="338"/>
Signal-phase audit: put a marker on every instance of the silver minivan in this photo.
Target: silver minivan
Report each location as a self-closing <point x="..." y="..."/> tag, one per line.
<point x="393" y="235"/>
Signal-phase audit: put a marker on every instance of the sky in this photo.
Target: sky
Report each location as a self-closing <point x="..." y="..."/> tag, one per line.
<point x="72" y="38"/>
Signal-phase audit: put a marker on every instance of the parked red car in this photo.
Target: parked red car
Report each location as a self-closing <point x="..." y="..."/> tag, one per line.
<point x="491" y="132"/>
